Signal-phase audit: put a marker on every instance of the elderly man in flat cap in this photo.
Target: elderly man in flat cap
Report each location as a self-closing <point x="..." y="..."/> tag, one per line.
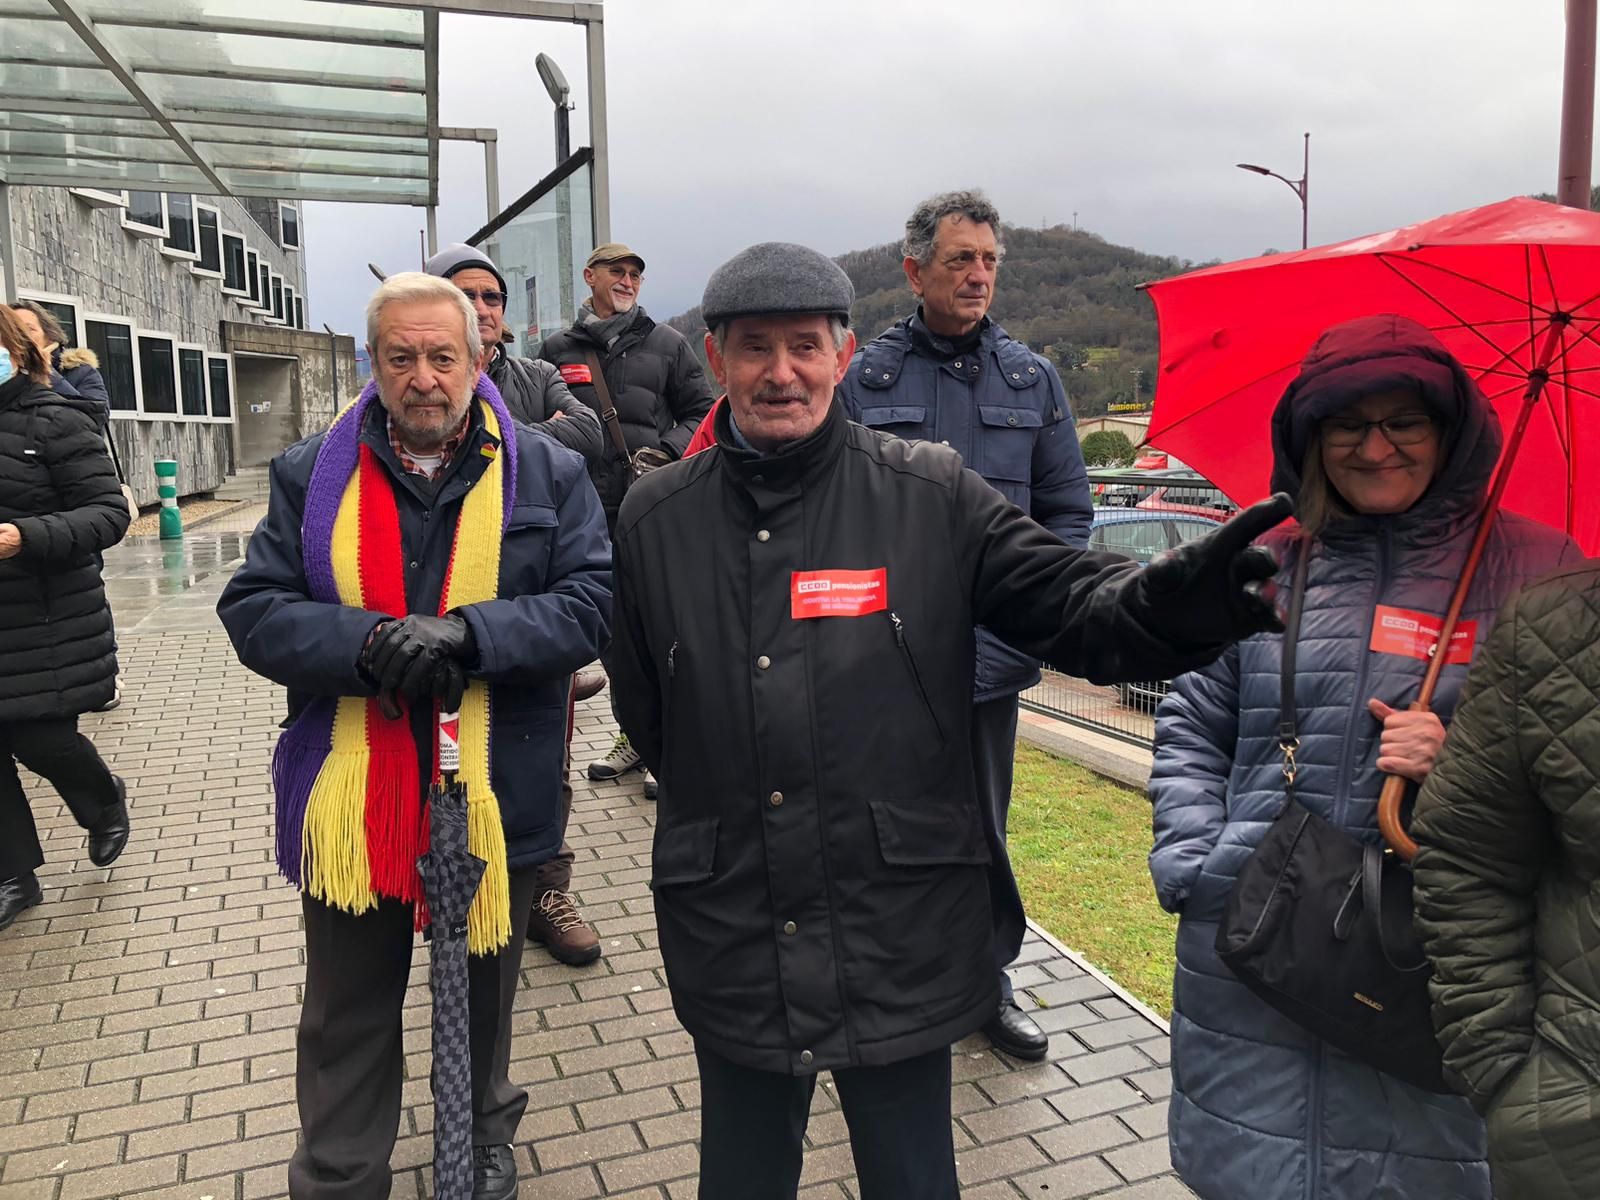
<point x="793" y="658"/>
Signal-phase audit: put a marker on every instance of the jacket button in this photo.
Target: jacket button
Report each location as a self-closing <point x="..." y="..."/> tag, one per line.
<point x="763" y="536"/>
<point x="758" y="479"/>
<point x="944" y="443"/>
<point x="1015" y="375"/>
<point x="790" y="928"/>
<point x="1033" y="370"/>
<point x="805" y="1057"/>
<point x="775" y="799"/>
<point x="413" y="564"/>
<point x="1011" y="420"/>
<point x="958" y="364"/>
<point x="763" y="662"/>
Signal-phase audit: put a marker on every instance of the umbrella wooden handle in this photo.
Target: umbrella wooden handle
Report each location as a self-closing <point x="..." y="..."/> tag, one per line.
<point x="1389" y="801"/>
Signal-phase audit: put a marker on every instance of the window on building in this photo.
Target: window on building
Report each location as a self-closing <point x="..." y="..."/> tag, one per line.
<point x="252" y="274"/>
<point x="288" y="227"/>
<point x="265" y="276"/>
<point x="221" y="385"/>
<point x="288" y="304"/>
<point x="180" y="239"/>
<point x="112" y="342"/>
<point x="63" y="308"/>
<point x="299" y="312"/>
<point x="146" y="213"/>
<point x="208" y="236"/>
<point x="97" y="198"/>
<point x="192" y="380"/>
<point x="277" y="297"/>
<point x="233" y="264"/>
<point x="158" y="377"/>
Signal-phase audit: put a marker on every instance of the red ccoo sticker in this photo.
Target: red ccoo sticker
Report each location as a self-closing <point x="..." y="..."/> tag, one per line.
<point x="1415" y="634"/>
<point x="838" y="593"/>
<point x="576" y="373"/>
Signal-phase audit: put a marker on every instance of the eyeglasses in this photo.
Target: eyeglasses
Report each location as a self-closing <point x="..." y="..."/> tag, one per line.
<point x="1402" y="429"/>
<point x="491" y="297"/>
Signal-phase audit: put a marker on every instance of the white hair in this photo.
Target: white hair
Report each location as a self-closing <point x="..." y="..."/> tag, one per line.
<point x="836" y="327"/>
<point x="412" y="287"/>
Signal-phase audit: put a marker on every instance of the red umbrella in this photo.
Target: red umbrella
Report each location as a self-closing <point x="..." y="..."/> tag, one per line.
<point x="1512" y="289"/>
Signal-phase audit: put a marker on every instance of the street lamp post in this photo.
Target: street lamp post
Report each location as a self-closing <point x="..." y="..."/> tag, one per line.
<point x="1300" y="187"/>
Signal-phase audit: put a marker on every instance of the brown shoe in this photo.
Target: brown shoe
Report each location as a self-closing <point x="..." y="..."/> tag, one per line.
<point x="557" y="923"/>
<point x="587" y="683"/>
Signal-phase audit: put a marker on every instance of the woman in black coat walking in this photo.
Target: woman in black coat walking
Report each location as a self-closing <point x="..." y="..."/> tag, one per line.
<point x="59" y="507"/>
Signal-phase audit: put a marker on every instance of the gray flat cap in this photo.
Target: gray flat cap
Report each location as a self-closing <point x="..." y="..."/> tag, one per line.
<point x="773" y="278"/>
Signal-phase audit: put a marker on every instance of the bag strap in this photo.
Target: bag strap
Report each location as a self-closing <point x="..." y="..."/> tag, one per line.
<point x="1373" y="860"/>
<point x="1288" y="728"/>
<point x="116" y="462"/>
<point x="608" y="410"/>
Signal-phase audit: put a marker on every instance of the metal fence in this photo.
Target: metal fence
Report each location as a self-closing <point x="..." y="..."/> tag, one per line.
<point x="1125" y="711"/>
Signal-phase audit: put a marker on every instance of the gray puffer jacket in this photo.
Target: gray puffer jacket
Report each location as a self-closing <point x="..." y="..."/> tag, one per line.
<point x="1261" y="1108"/>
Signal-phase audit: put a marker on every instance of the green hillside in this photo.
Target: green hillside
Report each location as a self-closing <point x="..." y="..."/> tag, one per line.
<point x="1069" y="294"/>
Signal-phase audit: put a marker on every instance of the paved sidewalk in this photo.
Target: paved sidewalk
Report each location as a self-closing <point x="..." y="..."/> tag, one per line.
<point x="147" y="1011"/>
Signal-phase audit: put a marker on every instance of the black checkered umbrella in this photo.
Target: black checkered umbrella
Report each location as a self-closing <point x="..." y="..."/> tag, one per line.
<point x="450" y="875"/>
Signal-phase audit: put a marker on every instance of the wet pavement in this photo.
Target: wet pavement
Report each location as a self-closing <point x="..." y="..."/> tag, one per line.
<point x="147" y="1010"/>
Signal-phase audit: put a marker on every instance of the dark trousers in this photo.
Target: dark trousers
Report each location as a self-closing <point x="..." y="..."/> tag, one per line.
<point x="752" y="1124"/>
<point x="56" y="750"/>
<point x="556" y="873"/>
<point x="994" y="750"/>
<point x="349" y="1064"/>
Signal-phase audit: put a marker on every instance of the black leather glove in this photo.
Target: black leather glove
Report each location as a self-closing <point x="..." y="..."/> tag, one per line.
<point x="407" y="657"/>
<point x="1218" y="588"/>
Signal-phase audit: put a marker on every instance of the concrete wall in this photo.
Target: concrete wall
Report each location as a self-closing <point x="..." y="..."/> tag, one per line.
<point x="66" y="247"/>
<point x="318" y="388"/>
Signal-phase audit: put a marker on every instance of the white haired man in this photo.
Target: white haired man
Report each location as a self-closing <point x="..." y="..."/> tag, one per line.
<point x="425" y="548"/>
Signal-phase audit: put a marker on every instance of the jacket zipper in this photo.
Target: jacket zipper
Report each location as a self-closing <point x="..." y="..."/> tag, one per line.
<point x="1358" y="704"/>
<point x="916" y="675"/>
<point x="1314" y="1124"/>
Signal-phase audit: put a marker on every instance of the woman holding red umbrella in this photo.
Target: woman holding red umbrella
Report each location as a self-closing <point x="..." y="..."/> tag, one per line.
<point x="1390" y="447"/>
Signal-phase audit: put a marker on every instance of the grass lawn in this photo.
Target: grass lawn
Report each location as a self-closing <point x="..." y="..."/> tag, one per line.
<point x="1078" y="845"/>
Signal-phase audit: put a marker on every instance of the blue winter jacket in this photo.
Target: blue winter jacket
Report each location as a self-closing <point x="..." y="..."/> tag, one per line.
<point x="1259" y="1107"/>
<point x="1004" y="411"/>
<point x="552" y="617"/>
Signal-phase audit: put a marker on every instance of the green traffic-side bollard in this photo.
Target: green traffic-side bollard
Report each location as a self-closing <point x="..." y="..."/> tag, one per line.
<point x="167" y="488"/>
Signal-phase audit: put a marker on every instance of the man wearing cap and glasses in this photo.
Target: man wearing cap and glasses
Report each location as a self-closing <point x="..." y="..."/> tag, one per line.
<point x="536" y="396"/>
<point x="646" y="384"/>
<point x="531" y="387"/>
<point x="792" y="652"/>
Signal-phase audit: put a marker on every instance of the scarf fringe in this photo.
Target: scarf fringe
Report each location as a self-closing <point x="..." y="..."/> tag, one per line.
<point x="395" y="832"/>
<point x="296" y="762"/>
<point x="489" y="920"/>
<point x="334" y="864"/>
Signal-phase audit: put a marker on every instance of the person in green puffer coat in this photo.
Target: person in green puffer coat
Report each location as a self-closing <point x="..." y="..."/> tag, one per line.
<point x="1506" y="879"/>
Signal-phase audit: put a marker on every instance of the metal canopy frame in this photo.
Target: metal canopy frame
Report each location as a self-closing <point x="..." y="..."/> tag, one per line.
<point x="217" y="100"/>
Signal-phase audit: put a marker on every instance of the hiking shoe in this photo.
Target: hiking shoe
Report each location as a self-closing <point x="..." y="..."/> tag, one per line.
<point x="17" y="895"/>
<point x="494" y="1173"/>
<point x="622" y="759"/>
<point x="651" y="787"/>
<point x="556" y="922"/>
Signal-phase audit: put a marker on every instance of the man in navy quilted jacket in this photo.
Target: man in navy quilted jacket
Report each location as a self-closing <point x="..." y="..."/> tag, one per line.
<point x="949" y="374"/>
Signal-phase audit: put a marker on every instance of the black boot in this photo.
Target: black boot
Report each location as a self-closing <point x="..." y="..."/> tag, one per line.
<point x="494" y="1173"/>
<point x="110" y="833"/>
<point x="1015" y="1032"/>
<point x="17" y="895"/>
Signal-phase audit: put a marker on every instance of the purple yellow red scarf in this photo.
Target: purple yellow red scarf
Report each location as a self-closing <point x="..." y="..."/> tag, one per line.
<point x="351" y="816"/>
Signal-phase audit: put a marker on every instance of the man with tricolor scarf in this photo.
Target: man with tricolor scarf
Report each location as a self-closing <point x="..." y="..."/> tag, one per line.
<point x="424" y="552"/>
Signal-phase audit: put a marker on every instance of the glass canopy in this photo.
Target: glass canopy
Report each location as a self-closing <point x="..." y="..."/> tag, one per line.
<point x="297" y="99"/>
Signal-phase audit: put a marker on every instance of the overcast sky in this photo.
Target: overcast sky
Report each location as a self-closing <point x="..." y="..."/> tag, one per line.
<point x="737" y="121"/>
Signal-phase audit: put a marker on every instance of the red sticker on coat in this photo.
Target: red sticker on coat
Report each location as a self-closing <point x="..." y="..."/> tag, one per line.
<point x="838" y="593"/>
<point x="1415" y="634"/>
<point x="576" y="373"/>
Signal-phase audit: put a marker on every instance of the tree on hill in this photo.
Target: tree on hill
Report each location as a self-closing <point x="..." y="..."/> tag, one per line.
<point x="1069" y="294"/>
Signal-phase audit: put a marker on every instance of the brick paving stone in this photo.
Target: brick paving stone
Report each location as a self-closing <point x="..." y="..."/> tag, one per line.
<point x="148" y="1011"/>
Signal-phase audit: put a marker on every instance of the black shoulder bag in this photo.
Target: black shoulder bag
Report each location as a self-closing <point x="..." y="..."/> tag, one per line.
<point x="1319" y="923"/>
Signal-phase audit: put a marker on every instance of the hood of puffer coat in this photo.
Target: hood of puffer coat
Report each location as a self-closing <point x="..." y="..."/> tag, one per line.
<point x="1372" y="354"/>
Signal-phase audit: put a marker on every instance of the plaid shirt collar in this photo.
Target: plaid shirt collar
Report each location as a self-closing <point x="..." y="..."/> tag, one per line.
<point x="446" y="452"/>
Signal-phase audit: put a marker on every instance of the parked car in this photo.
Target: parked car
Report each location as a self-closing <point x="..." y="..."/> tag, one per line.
<point x="1125" y="488"/>
<point x="1141" y="534"/>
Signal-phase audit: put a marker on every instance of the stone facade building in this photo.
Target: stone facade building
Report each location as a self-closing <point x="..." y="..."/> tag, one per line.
<point x="195" y="307"/>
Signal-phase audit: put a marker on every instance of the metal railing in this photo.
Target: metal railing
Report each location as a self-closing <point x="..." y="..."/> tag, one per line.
<point x="1123" y="711"/>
